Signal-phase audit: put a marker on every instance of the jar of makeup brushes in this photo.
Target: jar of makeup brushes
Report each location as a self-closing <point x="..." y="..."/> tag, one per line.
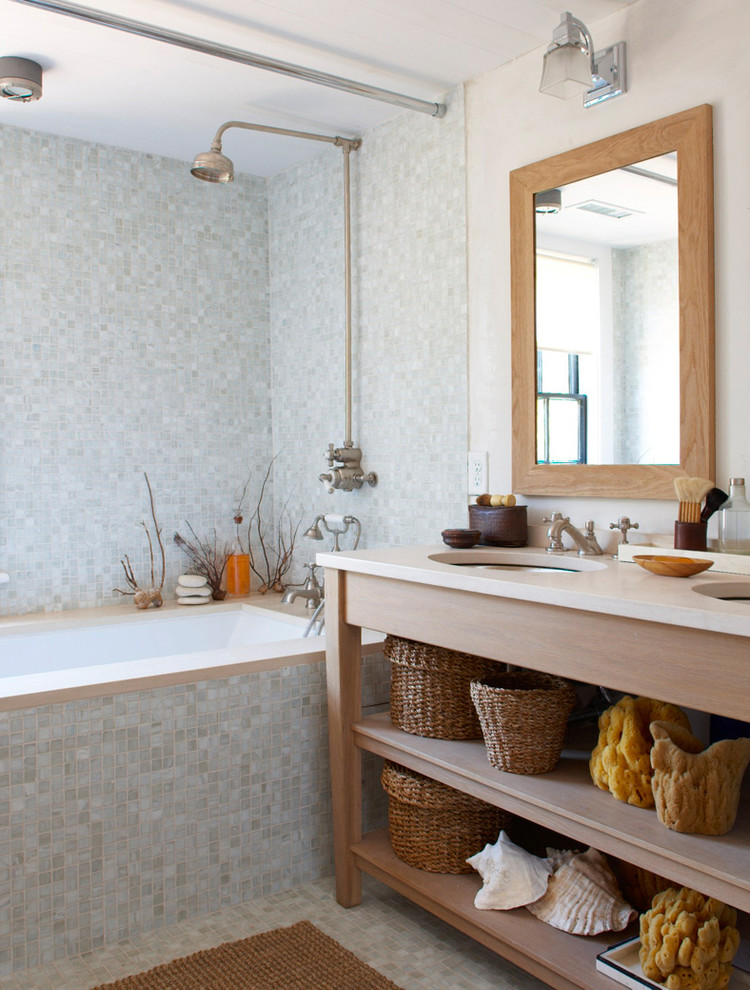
<point x="690" y="535"/>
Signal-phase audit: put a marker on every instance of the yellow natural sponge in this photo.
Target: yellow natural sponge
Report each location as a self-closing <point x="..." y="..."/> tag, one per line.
<point x="621" y="761"/>
<point x="688" y="941"/>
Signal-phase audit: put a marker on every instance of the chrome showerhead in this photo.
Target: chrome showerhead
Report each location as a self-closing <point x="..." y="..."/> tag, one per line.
<point x="212" y="166"/>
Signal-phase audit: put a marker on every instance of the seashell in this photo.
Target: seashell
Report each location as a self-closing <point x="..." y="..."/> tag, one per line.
<point x="583" y="897"/>
<point x="696" y="792"/>
<point x="511" y="877"/>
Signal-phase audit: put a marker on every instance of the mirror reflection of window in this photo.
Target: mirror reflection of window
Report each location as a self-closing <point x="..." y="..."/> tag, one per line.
<point x="607" y="291"/>
<point x="568" y="359"/>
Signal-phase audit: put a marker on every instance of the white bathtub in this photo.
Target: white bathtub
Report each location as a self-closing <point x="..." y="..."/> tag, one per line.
<point x="59" y="656"/>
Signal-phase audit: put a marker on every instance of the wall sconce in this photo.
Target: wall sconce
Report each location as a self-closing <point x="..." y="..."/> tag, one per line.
<point x="572" y="65"/>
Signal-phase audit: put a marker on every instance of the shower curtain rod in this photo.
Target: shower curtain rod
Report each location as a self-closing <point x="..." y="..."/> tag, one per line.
<point x="236" y="55"/>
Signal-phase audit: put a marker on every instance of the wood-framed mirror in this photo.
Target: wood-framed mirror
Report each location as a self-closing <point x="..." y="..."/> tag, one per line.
<point x="561" y="427"/>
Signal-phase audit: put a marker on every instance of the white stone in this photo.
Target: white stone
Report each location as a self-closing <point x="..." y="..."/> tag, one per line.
<point x="183" y="592"/>
<point x="193" y="600"/>
<point x="192" y="580"/>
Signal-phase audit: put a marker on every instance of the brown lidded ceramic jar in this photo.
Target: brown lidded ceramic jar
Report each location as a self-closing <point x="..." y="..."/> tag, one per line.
<point x="500" y="526"/>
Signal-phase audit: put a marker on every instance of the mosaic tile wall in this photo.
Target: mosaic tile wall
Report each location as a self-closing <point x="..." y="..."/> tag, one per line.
<point x="125" y="813"/>
<point x="409" y="328"/>
<point x="134" y="321"/>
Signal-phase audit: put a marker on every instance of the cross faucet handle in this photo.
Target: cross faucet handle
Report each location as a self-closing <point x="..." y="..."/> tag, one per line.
<point x="624" y="524"/>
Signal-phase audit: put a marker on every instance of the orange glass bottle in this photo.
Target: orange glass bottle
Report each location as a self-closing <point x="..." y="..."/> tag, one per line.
<point x="238" y="574"/>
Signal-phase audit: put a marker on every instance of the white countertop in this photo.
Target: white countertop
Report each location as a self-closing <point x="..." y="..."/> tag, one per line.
<point x="617" y="588"/>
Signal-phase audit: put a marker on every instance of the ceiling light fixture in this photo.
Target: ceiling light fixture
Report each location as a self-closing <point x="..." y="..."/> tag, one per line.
<point x="572" y="65"/>
<point x="20" y="79"/>
<point x="549" y="201"/>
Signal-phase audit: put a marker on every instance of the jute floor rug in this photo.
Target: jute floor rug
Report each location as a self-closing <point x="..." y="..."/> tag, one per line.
<point x="300" y="957"/>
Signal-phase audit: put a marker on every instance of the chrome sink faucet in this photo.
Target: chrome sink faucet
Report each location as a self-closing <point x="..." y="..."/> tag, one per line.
<point x="586" y="541"/>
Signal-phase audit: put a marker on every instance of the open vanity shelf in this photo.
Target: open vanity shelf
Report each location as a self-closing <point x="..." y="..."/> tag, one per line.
<point x="557" y="958"/>
<point x="698" y="667"/>
<point x="567" y="801"/>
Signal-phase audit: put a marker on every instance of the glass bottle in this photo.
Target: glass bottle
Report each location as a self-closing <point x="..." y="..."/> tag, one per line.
<point x="238" y="574"/>
<point x="734" y="520"/>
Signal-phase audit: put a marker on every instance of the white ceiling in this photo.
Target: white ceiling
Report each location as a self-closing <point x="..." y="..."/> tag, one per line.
<point x="111" y="87"/>
<point x="651" y="208"/>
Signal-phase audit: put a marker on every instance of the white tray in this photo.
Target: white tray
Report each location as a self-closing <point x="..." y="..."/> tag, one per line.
<point x="620" y="962"/>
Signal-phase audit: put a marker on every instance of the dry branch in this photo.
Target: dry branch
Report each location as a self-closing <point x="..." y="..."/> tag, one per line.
<point x="274" y="560"/>
<point x="143" y="597"/>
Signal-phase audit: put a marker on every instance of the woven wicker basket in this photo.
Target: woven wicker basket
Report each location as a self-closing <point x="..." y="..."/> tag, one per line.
<point x="433" y="826"/>
<point x="523" y="715"/>
<point x="430" y="689"/>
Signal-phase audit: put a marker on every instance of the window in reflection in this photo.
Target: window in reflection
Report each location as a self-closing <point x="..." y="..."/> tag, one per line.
<point x="568" y="346"/>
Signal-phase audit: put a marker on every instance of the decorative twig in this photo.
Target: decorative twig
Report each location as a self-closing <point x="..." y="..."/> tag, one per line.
<point x="239" y="502"/>
<point x="143" y="597"/>
<point x="276" y="560"/>
<point x="158" y="537"/>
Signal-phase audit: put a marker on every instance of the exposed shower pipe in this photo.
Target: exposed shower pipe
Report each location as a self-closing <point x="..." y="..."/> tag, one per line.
<point x="192" y="43"/>
<point x="214" y="166"/>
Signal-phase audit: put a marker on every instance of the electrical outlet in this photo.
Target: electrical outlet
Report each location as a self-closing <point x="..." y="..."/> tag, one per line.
<point x="477" y="470"/>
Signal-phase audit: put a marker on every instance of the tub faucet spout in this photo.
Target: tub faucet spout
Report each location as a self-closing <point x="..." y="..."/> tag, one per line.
<point x="311" y="590"/>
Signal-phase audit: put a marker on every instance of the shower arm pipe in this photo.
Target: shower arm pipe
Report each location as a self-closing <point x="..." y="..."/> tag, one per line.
<point x="231" y="54"/>
<point x="348" y="442"/>
<point x="267" y="129"/>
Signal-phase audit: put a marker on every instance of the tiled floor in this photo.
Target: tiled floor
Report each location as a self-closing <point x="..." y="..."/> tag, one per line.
<point x="397" y="938"/>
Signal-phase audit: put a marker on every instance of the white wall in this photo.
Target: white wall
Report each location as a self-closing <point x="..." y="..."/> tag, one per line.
<point x="681" y="53"/>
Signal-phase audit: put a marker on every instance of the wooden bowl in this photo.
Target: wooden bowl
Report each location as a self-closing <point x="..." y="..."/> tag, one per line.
<point x="672" y="566"/>
<point x="461" y="539"/>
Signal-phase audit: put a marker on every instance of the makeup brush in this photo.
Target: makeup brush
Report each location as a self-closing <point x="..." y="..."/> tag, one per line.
<point x="690" y="493"/>
<point x="714" y="500"/>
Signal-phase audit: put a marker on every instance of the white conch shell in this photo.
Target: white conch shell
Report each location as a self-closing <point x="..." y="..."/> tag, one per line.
<point x="583" y="897"/>
<point x="511" y="876"/>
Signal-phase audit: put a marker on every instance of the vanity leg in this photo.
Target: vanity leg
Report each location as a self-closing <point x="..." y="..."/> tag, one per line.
<point x="344" y="679"/>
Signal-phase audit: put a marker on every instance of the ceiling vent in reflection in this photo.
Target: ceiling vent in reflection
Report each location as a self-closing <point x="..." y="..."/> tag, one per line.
<point x="605" y="209"/>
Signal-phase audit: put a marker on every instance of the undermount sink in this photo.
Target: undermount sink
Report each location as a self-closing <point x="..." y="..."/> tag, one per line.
<point x="725" y="591"/>
<point x="495" y="559"/>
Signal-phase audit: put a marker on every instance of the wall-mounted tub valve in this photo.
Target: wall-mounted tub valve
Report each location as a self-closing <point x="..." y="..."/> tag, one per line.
<point x="347" y="475"/>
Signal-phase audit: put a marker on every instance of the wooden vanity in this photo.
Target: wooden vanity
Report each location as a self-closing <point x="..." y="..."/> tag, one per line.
<point x="619" y="627"/>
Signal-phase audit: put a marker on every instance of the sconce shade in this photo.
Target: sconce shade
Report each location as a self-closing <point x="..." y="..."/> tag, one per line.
<point x="572" y="66"/>
<point x="565" y="72"/>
